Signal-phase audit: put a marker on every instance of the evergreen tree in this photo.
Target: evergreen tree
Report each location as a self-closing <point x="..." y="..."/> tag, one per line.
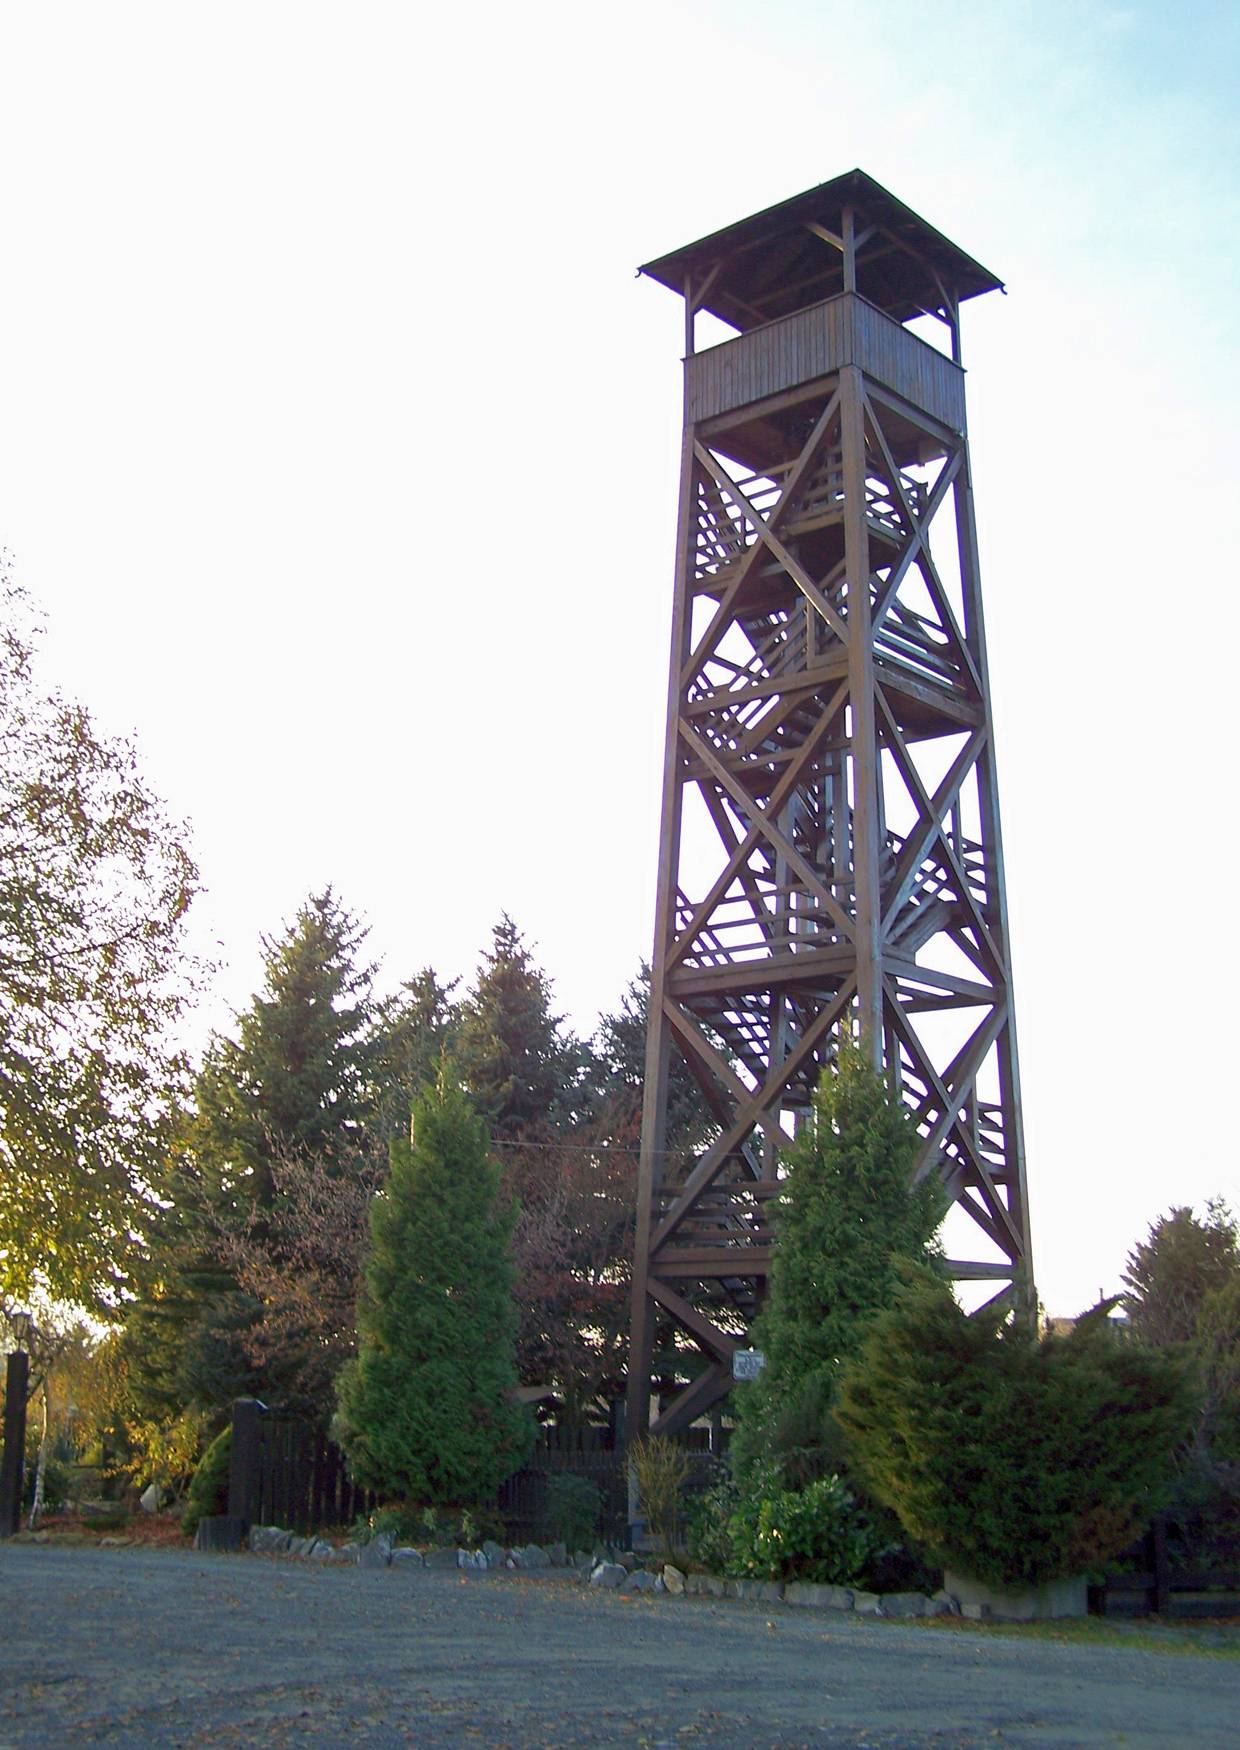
<point x="427" y="1410"/>
<point x="1172" y="1273"/>
<point x="846" y="1216"/>
<point x="617" y="1073"/>
<point x="418" y="1029"/>
<point x="297" y="1082"/>
<point x="299" y="1077"/>
<point x="520" y="1070"/>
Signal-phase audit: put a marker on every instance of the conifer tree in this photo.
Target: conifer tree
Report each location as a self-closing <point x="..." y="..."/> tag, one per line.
<point x="298" y="1078"/>
<point x="296" y="1082"/>
<point x="427" y="1410"/>
<point x="519" y="1068"/>
<point x="846" y="1217"/>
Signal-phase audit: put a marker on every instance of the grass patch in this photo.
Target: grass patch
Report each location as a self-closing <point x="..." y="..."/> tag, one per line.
<point x="1207" y="1638"/>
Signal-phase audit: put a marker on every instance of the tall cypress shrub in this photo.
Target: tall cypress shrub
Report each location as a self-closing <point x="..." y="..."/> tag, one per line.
<point x="427" y="1410"/>
<point x="846" y="1216"/>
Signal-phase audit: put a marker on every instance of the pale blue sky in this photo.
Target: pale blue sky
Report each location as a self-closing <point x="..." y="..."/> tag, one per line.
<point x="339" y="442"/>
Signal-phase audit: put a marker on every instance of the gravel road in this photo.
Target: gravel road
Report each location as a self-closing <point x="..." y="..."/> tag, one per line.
<point x="142" y="1648"/>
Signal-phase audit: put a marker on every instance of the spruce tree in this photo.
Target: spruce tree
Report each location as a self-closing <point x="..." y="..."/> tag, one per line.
<point x="846" y="1216"/>
<point x="520" y="1070"/>
<point x="427" y="1410"/>
<point x="296" y="1081"/>
<point x="298" y="1077"/>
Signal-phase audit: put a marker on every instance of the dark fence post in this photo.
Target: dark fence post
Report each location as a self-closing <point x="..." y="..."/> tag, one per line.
<point x="1160" y="1596"/>
<point x="12" y="1466"/>
<point x="245" y="1461"/>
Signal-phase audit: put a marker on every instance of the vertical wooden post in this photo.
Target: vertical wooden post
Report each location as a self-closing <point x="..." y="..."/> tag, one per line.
<point x="245" y="1461"/>
<point x="863" y="738"/>
<point x="1160" y="1592"/>
<point x="12" y="1466"/>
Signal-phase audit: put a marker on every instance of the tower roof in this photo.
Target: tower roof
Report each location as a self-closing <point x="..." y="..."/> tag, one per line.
<point x="776" y="261"/>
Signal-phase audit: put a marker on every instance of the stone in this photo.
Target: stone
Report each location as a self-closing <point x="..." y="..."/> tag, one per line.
<point x="494" y="1553"/>
<point x="558" y="1555"/>
<point x="628" y="1561"/>
<point x="439" y="1558"/>
<point x="342" y="1555"/>
<point x="948" y="1601"/>
<point x="640" y="1580"/>
<point x="704" y="1586"/>
<point x="866" y="1603"/>
<point x="406" y="1557"/>
<point x="1021" y="1603"/>
<point x="807" y="1594"/>
<point x="115" y="1542"/>
<point x="534" y="1556"/>
<point x="608" y="1574"/>
<point x="471" y="1558"/>
<point x="759" y="1591"/>
<point x="268" y="1540"/>
<point x="903" y="1604"/>
<point x="673" y="1580"/>
<point x="975" y="1612"/>
<point x="583" y="1559"/>
<point x="151" y="1499"/>
<point x="375" y="1554"/>
<point x="322" y="1551"/>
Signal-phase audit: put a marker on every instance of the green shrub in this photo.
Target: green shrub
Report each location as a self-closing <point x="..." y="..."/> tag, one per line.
<point x="815" y="1533"/>
<point x="1015" y="1461"/>
<point x="846" y="1216"/>
<point x="708" y="1529"/>
<point x="427" y="1409"/>
<point x="572" y="1509"/>
<point x="208" y="1491"/>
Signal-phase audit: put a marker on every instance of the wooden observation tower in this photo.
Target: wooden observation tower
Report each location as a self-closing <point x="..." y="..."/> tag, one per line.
<point x="830" y="854"/>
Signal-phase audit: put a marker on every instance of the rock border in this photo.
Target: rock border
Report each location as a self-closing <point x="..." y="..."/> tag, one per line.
<point x="609" y="1570"/>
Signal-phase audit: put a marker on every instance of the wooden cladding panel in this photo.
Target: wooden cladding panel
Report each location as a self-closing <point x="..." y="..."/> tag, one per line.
<point x="813" y="343"/>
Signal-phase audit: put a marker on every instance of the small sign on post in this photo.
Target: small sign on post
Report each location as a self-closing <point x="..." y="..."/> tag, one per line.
<point x="747" y="1363"/>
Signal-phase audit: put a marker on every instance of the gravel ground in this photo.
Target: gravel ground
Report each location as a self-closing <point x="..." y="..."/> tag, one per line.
<point x="167" y="1648"/>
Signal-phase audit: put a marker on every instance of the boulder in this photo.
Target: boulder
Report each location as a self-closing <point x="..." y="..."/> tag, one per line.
<point x="558" y="1555"/>
<point x="808" y="1595"/>
<point x="439" y="1558"/>
<point x="151" y="1499"/>
<point x="404" y="1557"/>
<point x="704" y="1586"/>
<point x="948" y="1600"/>
<point x="608" y="1574"/>
<point x="1020" y="1603"/>
<point x="867" y="1603"/>
<point x="375" y="1554"/>
<point x="321" y="1551"/>
<point x="533" y="1556"/>
<point x="471" y="1558"/>
<point x="673" y="1580"/>
<point x="640" y="1581"/>
<point x="269" y="1540"/>
<point x="494" y="1553"/>
<point x="903" y="1604"/>
<point x="759" y="1591"/>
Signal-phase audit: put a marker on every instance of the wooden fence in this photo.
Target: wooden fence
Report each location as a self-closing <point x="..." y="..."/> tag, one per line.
<point x="1157" y="1584"/>
<point x="286" y="1473"/>
<point x="589" y="1453"/>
